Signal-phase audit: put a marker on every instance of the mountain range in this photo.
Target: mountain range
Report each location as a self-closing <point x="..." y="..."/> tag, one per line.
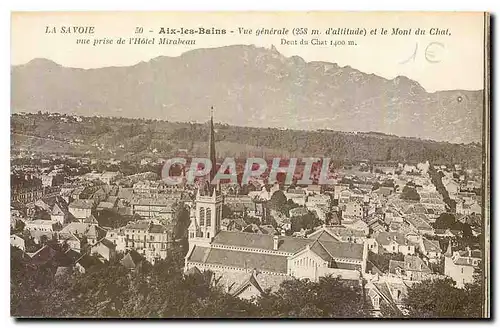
<point x="251" y="86"/>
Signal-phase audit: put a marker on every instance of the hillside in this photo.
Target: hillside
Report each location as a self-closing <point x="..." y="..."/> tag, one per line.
<point x="251" y="86"/>
<point x="136" y="139"/>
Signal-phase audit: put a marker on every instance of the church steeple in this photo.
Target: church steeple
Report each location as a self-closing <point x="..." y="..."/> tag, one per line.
<point x="207" y="211"/>
<point x="211" y="147"/>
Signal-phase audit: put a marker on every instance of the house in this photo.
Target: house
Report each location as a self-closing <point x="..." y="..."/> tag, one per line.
<point x="151" y="207"/>
<point x="159" y="241"/>
<point x="104" y="248"/>
<point x="42" y="255"/>
<point x="372" y="245"/>
<point x="298" y="196"/>
<point x="81" y="208"/>
<point x="86" y="262"/>
<point x="352" y="209"/>
<point x="358" y="225"/>
<point x="117" y="237"/>
<point x="298" y="211"/>
<point x="314" y="189"/>
<point x="468" y="208"/>
<point x="132" y="260"/>
<point x="53" y="178"/>
<point x="412" y="268"/>
<point x="338" y="233"/>
<point x="110" y="177"/>
<point x="59" y="213"/>
<point x="431" y="249"/>
<point x="18" y="241"/>
<point x="149" y="239"/>
<point x="40" y="236"/>
<point x="385" y="292"/>
<point x="384" y="191"/>
<point x="262" y="229"/>
<point x="228" y="225"/>
<point x="72" y="241"/>
<point x="393" y="242"/>
<point x="240" y="209"/>
<point x="376" y="225"/>
<point x="451" y="186"/>
<point x="286" y="224"/>
<point x="338" y="190"/>
<point x="94" y="233"/>
<point x="79" y="230"/>
<point x="103" y="206"/>
<point x="461" y="265"/>
<point x="419" y="223"/>
<point x="245" y="284"/>
<point x="446" y="233"/>
<point x="41" y="225"/>
<point x="321" y="200"/>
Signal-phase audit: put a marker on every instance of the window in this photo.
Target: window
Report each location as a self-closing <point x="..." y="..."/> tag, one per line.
<point x="201" y="234"/>
<point x="191" y="235"/>
<point x="209" y="217"/>
<point x="152" y="238"/>
<point x="202" y="216"/>
<point x="208" y="234"/>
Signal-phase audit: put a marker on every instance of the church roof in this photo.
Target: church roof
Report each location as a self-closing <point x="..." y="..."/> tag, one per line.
<point x="246" y="260"/>
<point x="328" y="250"/>
<point x="335" y="249"/>
<point x="260" y="241"/>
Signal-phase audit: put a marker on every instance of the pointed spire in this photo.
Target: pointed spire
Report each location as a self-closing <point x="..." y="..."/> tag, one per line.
<point x="211" y="149"/>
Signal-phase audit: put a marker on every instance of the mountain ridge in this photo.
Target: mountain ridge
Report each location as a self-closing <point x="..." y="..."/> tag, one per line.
<point x="255" y="87"/>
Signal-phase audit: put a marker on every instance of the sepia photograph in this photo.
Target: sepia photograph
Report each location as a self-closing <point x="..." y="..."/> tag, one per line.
<point x="260" y="165"/>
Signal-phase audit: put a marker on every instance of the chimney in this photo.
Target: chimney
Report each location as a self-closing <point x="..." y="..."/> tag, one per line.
<point x="276" y="240"/>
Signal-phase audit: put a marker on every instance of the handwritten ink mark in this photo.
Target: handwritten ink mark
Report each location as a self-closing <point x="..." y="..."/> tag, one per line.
<point x="431" y="50"/>
<point x="412" y="57"/>
<point x="432" y="53"/>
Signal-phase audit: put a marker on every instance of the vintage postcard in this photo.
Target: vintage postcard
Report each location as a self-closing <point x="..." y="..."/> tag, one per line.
<point x="250" y="165"/>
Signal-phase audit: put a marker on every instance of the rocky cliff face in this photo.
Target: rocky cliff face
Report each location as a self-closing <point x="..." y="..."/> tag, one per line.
<point x="251" y="86"/>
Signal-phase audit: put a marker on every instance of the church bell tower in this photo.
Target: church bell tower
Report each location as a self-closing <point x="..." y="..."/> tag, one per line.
<point x="207" y="210"/>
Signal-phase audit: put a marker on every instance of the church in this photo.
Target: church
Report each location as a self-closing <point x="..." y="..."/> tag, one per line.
<point x="248" y="263"/>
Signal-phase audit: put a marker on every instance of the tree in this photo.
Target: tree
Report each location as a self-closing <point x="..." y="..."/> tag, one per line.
<point x="278" y="202"/>
<point x="307" y="221"/>
<point x="182" y="221"/>
<point x="410" y="193"/>
<point x="445" y="221"/>
<point x="330" y="297"/>
<point x="227" y="213"/>
<point x="440" y="298"/>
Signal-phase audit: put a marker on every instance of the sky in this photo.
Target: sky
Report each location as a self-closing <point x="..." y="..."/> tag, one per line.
<point x="437" y="62"/>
